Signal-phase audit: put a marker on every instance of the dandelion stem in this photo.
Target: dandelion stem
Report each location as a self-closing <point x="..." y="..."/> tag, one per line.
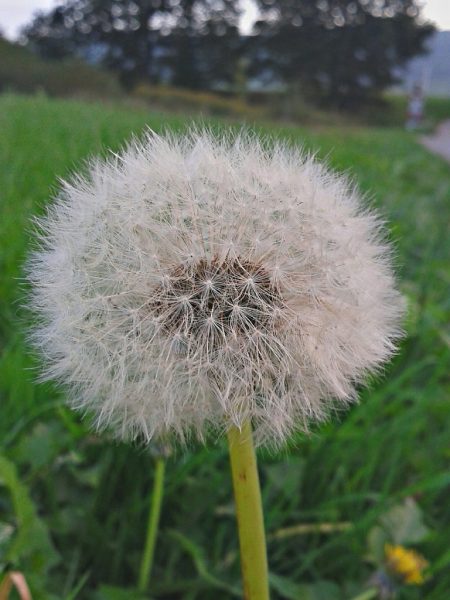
<point x="249" y="513"/>
<point x="152" y="525"/>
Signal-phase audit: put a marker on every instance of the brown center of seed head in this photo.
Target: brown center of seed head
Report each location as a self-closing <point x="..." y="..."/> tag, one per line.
<point x="220" y="299"/>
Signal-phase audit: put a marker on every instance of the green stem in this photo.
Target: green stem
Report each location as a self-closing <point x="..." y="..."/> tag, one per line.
<point x="152" y="526"/>
<point x="249" y="513"/>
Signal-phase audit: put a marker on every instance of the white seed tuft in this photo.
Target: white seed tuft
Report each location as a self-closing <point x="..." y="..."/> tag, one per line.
<point x="193" y="282"/>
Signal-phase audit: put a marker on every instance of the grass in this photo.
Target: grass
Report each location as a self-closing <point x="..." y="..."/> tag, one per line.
<point x="395" y="107"/>
<point x="80" y="501"/>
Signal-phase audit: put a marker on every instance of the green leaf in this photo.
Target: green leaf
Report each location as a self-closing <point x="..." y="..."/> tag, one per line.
<point x="402" y="524"/>
<point x="197" y="556"/>
<point x="6" y="533"/>
<point x="405" y="523"/>
<point x="73" y="594"/>
<point x="30" y="546"/>
<point x="38" y="447"/>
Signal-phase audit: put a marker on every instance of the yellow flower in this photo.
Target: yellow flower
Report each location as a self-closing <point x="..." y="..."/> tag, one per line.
<point x="407" y="565"/>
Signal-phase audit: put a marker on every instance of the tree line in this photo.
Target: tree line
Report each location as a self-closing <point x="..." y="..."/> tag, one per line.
<point x="339" y="52"/>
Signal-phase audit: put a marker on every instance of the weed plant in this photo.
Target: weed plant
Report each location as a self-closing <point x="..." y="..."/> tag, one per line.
<point x="73" y="505"/>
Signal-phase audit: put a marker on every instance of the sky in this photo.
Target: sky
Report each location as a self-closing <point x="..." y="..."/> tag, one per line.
<point x="16" y="13"/>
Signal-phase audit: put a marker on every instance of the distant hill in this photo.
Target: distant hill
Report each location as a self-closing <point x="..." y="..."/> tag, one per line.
<point x="431" y="70"/>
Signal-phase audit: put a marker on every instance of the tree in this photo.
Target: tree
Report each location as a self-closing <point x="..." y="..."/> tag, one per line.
<point x="205" y="43"/>
<point x="342" y="51"/>
<point x="179" y="41"/>
<point x="119" y="35"/>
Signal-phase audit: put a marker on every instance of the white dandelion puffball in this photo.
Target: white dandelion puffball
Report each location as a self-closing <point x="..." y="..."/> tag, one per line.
<point x="194" y="282"/>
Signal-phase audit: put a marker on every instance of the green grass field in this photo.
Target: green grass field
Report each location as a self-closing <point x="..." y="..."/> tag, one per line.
<point x="73" y="506"/>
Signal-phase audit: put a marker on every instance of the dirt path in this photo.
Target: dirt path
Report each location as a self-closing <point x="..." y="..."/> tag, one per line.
<point x="439" y="141"/>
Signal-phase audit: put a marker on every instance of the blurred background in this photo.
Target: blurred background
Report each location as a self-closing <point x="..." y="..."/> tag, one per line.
<point x="365" y="84"/>
<point x="277" y="57"/>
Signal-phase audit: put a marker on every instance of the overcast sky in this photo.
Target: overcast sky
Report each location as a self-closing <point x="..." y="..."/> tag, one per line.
<point x="15" y="13"/>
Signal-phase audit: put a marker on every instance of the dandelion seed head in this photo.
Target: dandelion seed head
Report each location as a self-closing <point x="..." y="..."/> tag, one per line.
<point x="194" y="282"/>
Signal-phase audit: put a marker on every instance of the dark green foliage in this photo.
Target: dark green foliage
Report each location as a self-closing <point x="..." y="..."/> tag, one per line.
<point x="341" y="52"/>
<point x="23" y="72"/>
<point x="203" y="47"/>
<point x="117" y="33"/>
<point x="150" y="40"/>
<point x="87" y="497"/>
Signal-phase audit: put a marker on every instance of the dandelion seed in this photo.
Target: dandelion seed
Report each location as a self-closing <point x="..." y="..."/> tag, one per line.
<point x="190" y="284"/>
<point x="202" y="284"/>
